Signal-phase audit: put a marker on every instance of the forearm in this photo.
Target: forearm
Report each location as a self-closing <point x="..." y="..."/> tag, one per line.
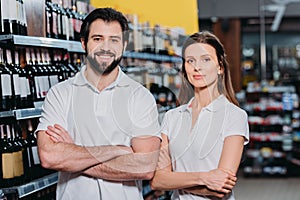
<point x="231" y="154"/>
<point x="204" y="191"/>
<point x="134" y="166"/>
<point x="168" y="180"/>
<point x="73" y="158"/>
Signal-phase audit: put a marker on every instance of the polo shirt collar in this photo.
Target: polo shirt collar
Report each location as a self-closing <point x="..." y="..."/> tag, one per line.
<point x="214" y="106"/>
<point x="80" y="80"/>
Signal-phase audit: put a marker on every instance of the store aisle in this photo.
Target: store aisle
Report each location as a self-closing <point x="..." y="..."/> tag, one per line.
<point x="267" y="189"/>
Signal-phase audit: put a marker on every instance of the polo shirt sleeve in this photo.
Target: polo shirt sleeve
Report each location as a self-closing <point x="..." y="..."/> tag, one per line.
<point x="165" y="123"/>
<point x="236" y="123"/>
<point x="52" y="110"/>
<point x="144" y="114"/>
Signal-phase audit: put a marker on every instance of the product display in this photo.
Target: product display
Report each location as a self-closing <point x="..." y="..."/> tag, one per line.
<point x="272" y="111"/>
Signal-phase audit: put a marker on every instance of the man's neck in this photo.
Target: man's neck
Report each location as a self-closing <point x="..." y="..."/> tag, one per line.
<point x="101" y="81"/>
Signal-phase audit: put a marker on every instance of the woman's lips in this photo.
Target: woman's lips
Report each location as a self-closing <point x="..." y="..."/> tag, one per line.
<point x="197" y="77"/>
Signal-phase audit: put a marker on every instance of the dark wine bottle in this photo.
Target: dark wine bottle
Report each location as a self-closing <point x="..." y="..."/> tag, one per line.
<point x="48" y="17"/>
<point x="35" y="164"/>
<point x="70" y="24"/>
<point x="6" y="90"/>
<point x="15" y="83"/>
<point x="7" y="157"/>
<point x="17" y="157"/>
<point x="54" y="32"/>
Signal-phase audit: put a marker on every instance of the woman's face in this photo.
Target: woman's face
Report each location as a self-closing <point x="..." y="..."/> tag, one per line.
<point x="201" y="65"/>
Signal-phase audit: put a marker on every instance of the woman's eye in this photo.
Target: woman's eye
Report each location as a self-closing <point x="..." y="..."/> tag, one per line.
<point x="206" y="59"/>
<point x="190" y="61"/>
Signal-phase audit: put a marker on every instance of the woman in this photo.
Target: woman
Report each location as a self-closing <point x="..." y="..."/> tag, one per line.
<point x="202" y="140"/>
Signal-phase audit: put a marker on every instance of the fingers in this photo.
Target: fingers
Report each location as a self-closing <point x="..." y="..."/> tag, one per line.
<point x="54" y="134"/>
<point x="58" y="134"/>
<point x="60" y="128"/>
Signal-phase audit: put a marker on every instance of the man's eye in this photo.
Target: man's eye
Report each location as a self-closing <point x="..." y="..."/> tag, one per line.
<point x="97" y="39"/>
<point x="115" y="40"/>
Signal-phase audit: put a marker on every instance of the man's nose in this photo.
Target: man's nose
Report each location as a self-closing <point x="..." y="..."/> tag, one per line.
<point x="104" y="45"/>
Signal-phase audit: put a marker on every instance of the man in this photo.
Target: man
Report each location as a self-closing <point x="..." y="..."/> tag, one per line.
<point x="100" y="129"/>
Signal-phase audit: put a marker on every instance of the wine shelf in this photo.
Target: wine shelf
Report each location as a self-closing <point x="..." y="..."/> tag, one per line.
<point x="33" y="186"/>
<point x="71" y="46"/>
<point x="20" y="114"/>
<point x="75" y="46"/>
<point x="150" y="56"/>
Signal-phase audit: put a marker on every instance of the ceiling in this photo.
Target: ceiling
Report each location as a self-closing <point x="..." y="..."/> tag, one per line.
<point x="240" y="8"/>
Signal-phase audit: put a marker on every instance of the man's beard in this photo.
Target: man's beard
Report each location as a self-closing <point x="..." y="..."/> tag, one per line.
<point x="103" y="68"/>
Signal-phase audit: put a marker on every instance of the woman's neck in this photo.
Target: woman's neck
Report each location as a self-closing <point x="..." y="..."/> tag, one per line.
<point x="204" y="97"/>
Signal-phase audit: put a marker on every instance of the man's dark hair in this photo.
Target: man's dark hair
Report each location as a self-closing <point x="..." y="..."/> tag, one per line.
<point x="107" y="15"/>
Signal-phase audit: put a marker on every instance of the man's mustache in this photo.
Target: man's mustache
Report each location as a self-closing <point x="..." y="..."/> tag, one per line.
<point x="103" y="52"/>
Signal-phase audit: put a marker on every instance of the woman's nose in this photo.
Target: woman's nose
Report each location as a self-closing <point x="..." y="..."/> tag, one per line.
<point x="197" y="67"/>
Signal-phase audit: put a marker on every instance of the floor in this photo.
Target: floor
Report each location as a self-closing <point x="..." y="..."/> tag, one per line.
<point x="267" y="189"/>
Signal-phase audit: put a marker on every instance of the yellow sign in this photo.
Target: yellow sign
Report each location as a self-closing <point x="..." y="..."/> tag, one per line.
<point x="167" y="13"/>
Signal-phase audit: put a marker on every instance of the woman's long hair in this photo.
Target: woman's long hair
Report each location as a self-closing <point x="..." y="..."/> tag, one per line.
<point x="224" y="80"/>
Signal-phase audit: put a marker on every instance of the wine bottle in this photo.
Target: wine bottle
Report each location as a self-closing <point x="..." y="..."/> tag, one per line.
<point x="77" y="21"/>
<point x="21" y="132"/>
<point x="23" y="29"/>
<point x="70" y="24"/>
<point x="53" y="72"/>
<point x="44" y="72"/>
<point x="7" y="99"/>
<point x="2" y="149"/>
<point x="15" y="83"/>
<point x="7" y="157"/>
<point x="58" y="20"/>
<point x="48" y="17"/>
<point x="17" y="157"/>
<point x="26" y="96"/>
<point x="54" y="32"/>
<point x="64" y="24"/>
<point x="5" y="16"/>
<point x="35" y="164"/>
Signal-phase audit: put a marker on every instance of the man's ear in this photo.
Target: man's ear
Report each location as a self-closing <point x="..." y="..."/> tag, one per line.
<point x="83" y="44"/>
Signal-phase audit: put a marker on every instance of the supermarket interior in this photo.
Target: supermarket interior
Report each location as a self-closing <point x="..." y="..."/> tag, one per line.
<point x="40" y="47"/>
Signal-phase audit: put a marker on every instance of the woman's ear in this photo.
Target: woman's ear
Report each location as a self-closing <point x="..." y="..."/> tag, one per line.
<point x="220" y="69"/>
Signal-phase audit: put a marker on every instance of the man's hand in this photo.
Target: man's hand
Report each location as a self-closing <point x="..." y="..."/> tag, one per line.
<point x="58" y="134"/>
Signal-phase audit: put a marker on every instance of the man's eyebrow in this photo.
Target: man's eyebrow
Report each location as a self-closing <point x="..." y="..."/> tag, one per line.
<point x="112" y="36"/>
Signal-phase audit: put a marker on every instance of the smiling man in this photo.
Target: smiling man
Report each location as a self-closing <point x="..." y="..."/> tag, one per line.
<point x="100" y="129"/>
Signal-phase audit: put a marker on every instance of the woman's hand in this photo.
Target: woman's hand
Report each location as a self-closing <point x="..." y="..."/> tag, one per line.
<point x="220" y="180"/>
<point x="203" y="191"/>
<point x="58" y="134"/>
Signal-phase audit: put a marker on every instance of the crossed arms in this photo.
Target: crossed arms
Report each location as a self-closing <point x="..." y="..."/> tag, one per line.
<point x="119" y="163"/>
<point x="216" y="182"/>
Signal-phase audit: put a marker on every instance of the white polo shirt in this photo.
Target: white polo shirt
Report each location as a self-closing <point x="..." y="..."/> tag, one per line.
<point x="199" y="149"/>
<point x="123" y="110"/>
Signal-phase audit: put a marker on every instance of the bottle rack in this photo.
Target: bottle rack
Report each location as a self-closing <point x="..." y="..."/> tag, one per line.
<point x="21" y="191"/>
<point x="271" y="113"/>
<point x="21" y="114"/>
<point x="70" y="46"/>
